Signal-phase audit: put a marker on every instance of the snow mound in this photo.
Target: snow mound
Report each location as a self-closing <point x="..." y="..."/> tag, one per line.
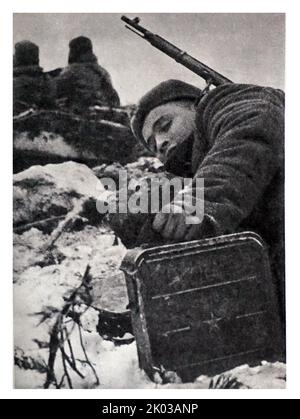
<point x="45" y="191"/>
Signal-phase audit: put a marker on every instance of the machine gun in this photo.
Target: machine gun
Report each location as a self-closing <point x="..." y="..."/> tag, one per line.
<point x="211" y="76"/>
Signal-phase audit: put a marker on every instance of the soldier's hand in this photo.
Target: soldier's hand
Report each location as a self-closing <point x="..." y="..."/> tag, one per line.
<point x="179" y="220"/>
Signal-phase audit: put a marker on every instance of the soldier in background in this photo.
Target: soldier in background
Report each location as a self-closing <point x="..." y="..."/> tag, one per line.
<point x="84" y="83"/>
<point x="31" y="87"/>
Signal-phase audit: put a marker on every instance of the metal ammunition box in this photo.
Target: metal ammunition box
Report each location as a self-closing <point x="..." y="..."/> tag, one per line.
<point x="202" y="307"/>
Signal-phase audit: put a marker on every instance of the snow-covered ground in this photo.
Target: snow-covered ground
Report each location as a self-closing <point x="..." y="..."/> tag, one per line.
<point x="43" y="284"/>
<point x="38" y="287"/>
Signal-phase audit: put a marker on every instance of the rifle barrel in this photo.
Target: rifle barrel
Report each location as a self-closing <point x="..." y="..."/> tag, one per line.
<point x="210" y="76"/>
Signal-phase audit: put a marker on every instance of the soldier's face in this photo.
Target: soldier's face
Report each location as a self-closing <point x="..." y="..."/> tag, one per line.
<point x="167" y="126"/>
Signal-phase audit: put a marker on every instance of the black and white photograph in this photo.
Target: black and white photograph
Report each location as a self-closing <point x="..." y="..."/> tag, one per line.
<point x="148" y="192"/>
<point x="149" y="210"/>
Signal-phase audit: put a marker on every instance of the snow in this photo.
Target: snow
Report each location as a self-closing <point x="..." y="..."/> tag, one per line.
<point x="117" y="366"/>
<point x="38" y="286"/>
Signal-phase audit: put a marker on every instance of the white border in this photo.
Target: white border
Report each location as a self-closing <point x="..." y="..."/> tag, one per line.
<point x="292" y="156"/>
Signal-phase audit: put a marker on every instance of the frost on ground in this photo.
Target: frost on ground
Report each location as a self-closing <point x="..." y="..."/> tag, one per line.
<point x="43" y="286"/>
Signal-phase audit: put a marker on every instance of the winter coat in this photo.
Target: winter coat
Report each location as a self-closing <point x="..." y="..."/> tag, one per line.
<point x="239" y="151"/>
<point x="85" y="83"/>
<point x="31" y="87"/>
